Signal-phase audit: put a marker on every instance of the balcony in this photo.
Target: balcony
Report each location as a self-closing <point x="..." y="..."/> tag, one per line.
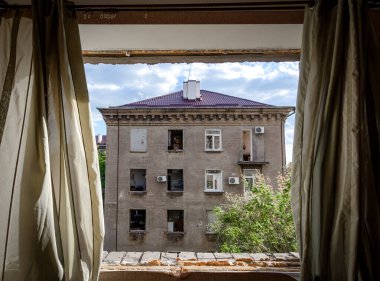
<point x="249" y="160"/>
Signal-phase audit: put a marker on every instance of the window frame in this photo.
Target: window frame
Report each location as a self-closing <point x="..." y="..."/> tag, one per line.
<point x="213" y="135"/>
<point x="253" y="176"/>
<point x="208" y="223"/>
<point x="214" y="189"/>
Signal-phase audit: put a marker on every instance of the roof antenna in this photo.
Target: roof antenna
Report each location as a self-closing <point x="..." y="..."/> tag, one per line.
<point x="188" y="77"/>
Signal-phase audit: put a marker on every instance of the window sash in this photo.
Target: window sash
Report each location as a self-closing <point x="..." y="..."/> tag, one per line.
<point x="210" y="219"/>
<point x="249" y="178"/>
<point x="213" y="139"/>
<point x="213" y="180"/>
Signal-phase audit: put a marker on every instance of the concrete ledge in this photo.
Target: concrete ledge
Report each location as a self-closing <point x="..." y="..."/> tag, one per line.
<point x="222" y="261"/>
<point x="179" y="274"/>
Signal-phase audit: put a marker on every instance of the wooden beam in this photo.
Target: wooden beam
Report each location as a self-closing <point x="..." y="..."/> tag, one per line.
<point x="191" y="17"/>
<point x="187" y="56"/>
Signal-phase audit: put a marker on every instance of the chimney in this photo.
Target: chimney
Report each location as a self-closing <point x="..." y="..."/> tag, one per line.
<point x="99" y="138"/>
<point x="191" y="90"/>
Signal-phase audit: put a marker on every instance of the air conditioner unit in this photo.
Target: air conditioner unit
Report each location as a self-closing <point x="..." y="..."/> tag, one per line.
<point x="161" y="178"/>
<point x="259" y="130"/>
<point x="233" y="180"/>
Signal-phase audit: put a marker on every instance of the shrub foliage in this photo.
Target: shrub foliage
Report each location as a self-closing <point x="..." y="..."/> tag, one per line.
<point x="258" y="221"/>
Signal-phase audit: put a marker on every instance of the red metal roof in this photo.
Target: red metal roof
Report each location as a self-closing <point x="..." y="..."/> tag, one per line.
<point x="208" y="99"/>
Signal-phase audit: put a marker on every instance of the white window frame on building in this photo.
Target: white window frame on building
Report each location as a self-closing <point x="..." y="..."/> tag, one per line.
<point x="217" y="180"/>
<point x="249" y="176"/>
<point x="176" y="221"/>
<point x="175" y="140"/>
<point x="138" y="140"/>
<point x="213" y="139"/>
<point x="137" y="217"/>
<point x="210" y="220"/>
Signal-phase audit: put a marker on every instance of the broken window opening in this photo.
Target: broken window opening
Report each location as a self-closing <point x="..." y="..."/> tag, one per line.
<point x="213" y="139"/>
<point x="175" y="180"/>
<point x="247" y="145"/>
<point x="175" y="140"/>
<point x="175" y="221"/>
<point x="138" y="180"/>
<point x="137" y="220"/>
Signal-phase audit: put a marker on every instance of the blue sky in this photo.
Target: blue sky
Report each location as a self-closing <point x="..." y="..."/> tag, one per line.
<point x="271" y="83"/>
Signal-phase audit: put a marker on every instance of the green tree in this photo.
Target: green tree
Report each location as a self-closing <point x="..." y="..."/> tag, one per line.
<point x="102" y="169"/>
<point x="258" y="221"/>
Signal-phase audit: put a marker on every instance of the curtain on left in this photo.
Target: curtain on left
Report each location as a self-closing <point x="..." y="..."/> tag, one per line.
<point x="51" y="222"/>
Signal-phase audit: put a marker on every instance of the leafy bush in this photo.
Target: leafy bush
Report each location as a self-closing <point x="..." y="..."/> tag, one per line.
<point x="258" y="221"/>
<point x="102" y="168"/>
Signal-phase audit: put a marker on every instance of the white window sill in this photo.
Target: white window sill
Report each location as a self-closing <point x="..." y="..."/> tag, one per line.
<point x="214" y="191"/>
<point x="214" y="151"/>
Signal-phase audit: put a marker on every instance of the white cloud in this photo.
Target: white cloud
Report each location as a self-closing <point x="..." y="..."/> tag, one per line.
<point x="289" y="152"/>
<point x="289" y="68"/>
<point x="271" y="83"/>
<point x="110" y="87"/>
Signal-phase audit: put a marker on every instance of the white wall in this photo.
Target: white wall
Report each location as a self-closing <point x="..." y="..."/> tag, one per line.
<point x="191" y="37"/>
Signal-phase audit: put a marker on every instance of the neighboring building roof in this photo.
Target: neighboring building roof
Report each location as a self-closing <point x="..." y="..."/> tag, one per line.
<point x="208" y="99"/>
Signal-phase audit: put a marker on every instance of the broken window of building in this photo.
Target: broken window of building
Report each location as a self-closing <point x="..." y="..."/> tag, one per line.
<point x="175" y="180"/>
<point x="249" y="178"/>
<point x="138" y="140"/>
<point x="175" y="221"/>
<point x="138" y="180"/>
<point x="213" y="180"/>
<point x="247" y="145"/>
<point x="175" y="140"/>
<point x="210" y="220"/>
<point x="137" y="219"/>
<point x="213" y="139"/>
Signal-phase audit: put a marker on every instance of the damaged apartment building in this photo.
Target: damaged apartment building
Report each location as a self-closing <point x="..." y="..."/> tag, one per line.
<point x="171" y="159"/>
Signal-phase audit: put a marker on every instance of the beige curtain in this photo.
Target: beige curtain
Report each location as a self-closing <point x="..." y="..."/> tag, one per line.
<point x="51" y="222"/>
<point x="336" y="173"/>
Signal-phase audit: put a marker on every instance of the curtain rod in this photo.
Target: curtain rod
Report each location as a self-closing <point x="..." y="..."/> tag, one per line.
<point x="274" y="5"/>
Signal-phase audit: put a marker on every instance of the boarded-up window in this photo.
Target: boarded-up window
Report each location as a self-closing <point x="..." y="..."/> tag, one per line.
<point x="138" y="140"/>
